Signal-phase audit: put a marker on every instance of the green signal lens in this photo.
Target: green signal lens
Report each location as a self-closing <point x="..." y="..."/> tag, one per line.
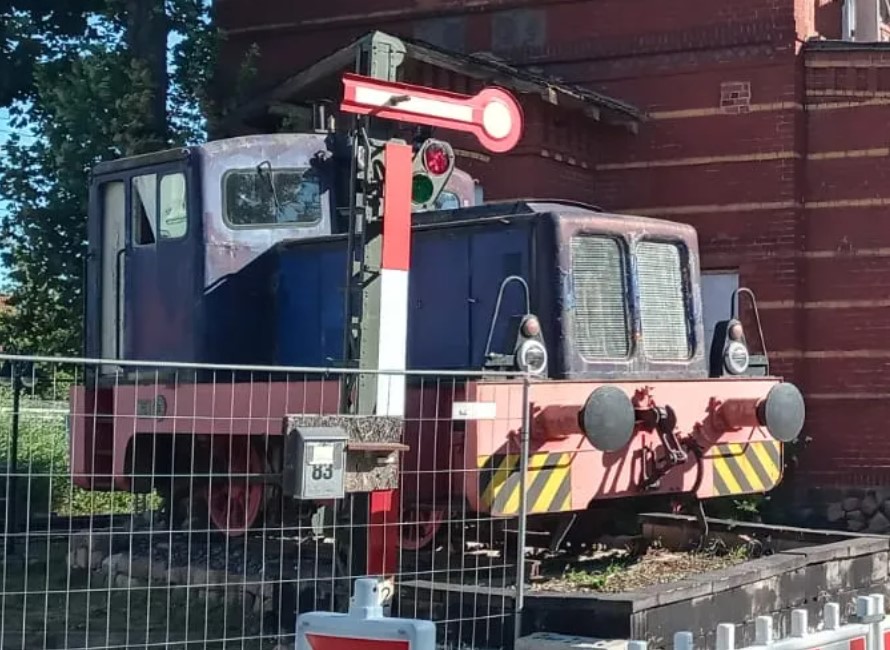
<point x="421" y="188"/>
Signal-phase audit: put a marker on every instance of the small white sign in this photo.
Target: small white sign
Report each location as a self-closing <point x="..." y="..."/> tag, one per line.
<point x="322" y="454"/>
<point x="474" y="411"/>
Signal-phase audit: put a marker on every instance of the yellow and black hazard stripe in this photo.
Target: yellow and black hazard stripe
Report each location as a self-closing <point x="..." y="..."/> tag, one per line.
<point x="746" y="468"/>
<point x="549" y="483"/>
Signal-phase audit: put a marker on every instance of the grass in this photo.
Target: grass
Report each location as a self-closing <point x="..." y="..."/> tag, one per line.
<point x="630" y="572"/>
<point x="43" y="467"/>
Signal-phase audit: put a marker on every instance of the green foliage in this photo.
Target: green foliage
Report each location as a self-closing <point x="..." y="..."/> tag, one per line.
<point x="43" y="463"/>
<point x="31" y="30"/>
<point x="94" y="99"/>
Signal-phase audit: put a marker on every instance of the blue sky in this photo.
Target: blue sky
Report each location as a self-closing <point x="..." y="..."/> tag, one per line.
<point x="5" y="131"/>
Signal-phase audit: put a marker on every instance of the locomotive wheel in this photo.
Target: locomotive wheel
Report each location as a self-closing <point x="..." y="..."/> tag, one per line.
<point x="233" y="503"/>
<point x="420" y="525"/>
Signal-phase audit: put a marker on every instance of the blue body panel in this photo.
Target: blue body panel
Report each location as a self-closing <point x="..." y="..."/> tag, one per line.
<point x="453" y="286"/>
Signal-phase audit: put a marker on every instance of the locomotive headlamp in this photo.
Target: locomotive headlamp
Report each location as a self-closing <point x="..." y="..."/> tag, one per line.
<point x="736" y="332"/>
<point x="736" y="358"/>
<point x="532" y="357"/>
<point x="531" y="326"/>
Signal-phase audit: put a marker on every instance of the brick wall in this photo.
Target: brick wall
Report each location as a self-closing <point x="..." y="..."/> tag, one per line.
<point x="772" y="149"/>
<point x="846" y="349"/>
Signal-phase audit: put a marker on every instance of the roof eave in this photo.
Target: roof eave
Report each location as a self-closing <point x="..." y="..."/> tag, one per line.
<point x="594" y="105"/>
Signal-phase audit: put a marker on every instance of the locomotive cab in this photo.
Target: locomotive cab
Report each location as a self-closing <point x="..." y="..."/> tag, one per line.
<point x="173" y="234"/>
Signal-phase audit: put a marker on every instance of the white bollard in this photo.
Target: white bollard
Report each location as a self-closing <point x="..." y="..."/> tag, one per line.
<point x="763" y="630"/>
<point x="683" y="641"/>
<point x="799" y="623"/>
<point x="365" y="602"/>
<point x="831" y="616"/>
<point x="725" y="636"/>
<point x="864" y="606"/>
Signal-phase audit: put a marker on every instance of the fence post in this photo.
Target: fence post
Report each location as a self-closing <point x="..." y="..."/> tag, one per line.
<point x="12" y="480"/>
<point x="524" y="442"/>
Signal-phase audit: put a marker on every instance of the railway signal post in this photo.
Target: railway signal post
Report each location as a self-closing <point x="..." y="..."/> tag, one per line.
<point x="391" y="177"/>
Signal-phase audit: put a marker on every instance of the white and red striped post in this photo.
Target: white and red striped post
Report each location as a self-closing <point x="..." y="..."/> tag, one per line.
<point x="494" y="116"/>
<point x="396" y="261"/>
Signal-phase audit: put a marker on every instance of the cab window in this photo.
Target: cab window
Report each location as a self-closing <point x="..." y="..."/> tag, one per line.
<point x="278" y="197"/>
<point x="158" y="207"/>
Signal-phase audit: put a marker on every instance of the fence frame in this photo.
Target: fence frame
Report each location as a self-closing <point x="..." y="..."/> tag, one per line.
<point x="20" y="366"/>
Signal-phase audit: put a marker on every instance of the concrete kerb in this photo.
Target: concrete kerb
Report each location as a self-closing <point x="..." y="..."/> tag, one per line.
<point x="864" y="632"/>
<point x="868" y="629"/>
<point x="840" y="568"/>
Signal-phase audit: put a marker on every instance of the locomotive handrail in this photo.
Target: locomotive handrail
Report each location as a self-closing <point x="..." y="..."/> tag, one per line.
<point x="733" y="310"/>
<point x="497" y="307"/>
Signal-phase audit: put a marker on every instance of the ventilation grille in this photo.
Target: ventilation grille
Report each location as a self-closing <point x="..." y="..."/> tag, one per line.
<point x="600" y="321"/>
<point x="662" y="304"/>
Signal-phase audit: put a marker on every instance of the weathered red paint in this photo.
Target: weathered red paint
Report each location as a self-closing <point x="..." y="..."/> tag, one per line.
<point x="397" y="203"/>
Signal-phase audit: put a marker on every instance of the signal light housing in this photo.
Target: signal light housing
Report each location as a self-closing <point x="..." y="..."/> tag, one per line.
<point x="432" y="167"/>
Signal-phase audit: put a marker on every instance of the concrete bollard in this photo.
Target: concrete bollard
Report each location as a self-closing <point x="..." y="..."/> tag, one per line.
<point x="725" y="637"/>
<point x="799" y="623"/>
<point x="683" y="641"/>
<point x="763" y="630"/>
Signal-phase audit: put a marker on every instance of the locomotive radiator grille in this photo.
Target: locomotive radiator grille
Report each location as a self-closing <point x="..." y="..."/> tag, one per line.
<point x="600" y="316"/>
<point x="664" y="322"/>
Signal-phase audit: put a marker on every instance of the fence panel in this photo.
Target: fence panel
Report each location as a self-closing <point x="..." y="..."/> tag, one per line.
<point x="153" y="505"/>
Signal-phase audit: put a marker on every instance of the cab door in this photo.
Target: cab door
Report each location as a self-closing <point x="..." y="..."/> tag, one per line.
<point x="111" y="205"/>
<point x="163" y="263"/>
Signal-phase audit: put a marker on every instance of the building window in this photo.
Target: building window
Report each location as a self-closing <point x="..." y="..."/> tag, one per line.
<point x="449" y="33"/>
<point x="516" y="29"/>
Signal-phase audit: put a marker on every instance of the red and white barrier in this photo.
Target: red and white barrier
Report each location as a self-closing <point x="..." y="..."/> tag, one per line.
<point x="364" y="627"/>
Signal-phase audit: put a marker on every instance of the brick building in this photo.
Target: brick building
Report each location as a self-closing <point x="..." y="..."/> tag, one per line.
<point x="764" y="128"/>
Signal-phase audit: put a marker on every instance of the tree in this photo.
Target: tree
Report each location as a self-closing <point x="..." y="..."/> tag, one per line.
<point x="93" y="98"/>
<point x="29" y="29"/>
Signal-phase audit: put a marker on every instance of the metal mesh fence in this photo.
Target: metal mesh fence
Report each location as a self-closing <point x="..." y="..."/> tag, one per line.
<point x="154" y="506"/>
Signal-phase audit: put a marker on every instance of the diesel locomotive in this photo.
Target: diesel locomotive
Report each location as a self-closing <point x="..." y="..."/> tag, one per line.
<point x="234" y="252"/>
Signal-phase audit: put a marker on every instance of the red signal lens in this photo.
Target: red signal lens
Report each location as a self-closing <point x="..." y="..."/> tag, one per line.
<point x="436" y="159"/>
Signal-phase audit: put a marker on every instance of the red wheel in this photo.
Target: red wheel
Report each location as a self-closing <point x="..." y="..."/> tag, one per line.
<point x="419" y="527"/>
<point x="232" y="502"/>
